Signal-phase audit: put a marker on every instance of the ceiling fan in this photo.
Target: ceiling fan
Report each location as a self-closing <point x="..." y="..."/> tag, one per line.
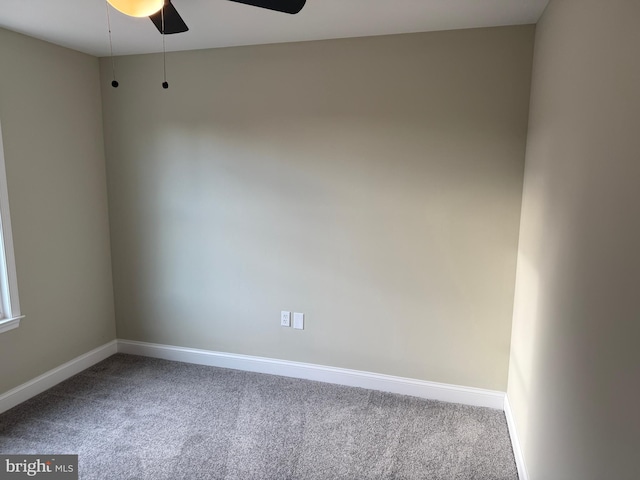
<point x="173" y="23"/>
<point x="168" y="21"/>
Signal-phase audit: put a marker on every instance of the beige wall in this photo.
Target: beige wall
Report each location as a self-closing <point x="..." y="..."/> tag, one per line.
<point x="52" y="130"/>
<point x="373" y="184"/>
<point x="574" y="381"/>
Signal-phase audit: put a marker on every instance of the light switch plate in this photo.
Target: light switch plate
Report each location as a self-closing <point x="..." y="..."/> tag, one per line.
<point x="298" y="320"/>
<point x="285" y="319"/>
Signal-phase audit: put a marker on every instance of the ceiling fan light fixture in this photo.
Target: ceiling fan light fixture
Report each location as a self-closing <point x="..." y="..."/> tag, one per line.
<point x="137" y="8"/>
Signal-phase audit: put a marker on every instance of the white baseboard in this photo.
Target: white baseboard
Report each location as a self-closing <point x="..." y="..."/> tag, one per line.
<point x="51" y="378"/>
<point x="515" y="442"/>
<point x="341" y="376"/>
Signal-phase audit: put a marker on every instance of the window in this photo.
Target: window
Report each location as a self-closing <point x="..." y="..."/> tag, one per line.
<point x="9" y="302"/>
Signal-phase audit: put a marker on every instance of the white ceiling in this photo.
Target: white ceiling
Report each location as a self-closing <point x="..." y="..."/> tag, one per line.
<point x="82" y="24"/>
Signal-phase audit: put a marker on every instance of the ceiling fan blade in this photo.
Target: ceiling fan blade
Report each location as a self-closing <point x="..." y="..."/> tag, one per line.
<point x="286" y="6"/>
<point x="173" y="22"/>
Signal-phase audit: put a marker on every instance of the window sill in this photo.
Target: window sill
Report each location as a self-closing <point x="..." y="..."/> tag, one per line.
<point x="10" y="324"/>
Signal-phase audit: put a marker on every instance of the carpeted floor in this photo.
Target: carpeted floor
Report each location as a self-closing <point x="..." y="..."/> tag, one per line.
<point x="132" y="417"/>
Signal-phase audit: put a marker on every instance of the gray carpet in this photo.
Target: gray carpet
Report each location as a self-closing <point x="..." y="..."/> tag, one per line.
<point x="131" y="417"/>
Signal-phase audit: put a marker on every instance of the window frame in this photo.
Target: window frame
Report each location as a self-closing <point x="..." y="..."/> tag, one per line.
<point x="10" y="313"/>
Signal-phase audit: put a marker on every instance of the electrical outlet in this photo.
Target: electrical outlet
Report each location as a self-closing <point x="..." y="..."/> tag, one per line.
<point x="298" y="321"/>
<point x="285" y="319"/>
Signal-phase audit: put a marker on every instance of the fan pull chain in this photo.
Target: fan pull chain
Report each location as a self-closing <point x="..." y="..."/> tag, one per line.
<point x="165" y="84"/>
<point x="114" y="83"/>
